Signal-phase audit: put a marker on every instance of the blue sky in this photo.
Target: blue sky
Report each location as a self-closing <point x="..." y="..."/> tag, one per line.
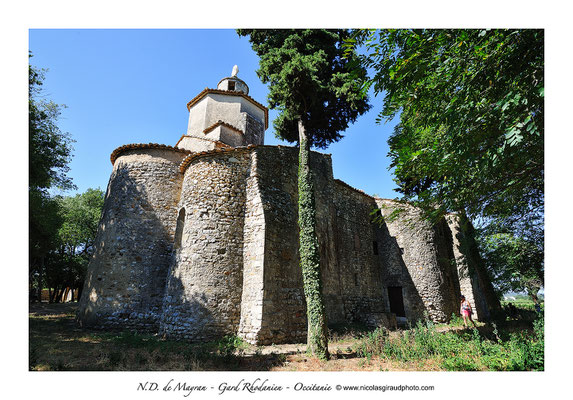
<point x="132" y="86"/>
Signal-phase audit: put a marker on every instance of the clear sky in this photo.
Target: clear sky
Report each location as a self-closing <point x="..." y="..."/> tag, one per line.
<point x="132" y="86"/>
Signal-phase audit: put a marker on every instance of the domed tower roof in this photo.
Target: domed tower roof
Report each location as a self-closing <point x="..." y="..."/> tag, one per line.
<point x="233" y="83"/>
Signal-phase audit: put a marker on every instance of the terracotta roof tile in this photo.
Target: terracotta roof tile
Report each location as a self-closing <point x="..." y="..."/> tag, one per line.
<point x="221" y="123"/>
<point x="217" y="142"/>
<point x="134" y="146"/>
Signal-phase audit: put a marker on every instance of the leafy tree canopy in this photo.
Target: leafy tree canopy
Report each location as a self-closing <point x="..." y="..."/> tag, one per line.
<point x="50" y="152"/>
<point x="470" y="103"/>
<point x="309" y="80"/>
<point x="49" y="149"/>
<point x="49" y="155"/>
<point x="73" y="243"/>
<point x="80" y="214"/>
<point x="515" y="262"/>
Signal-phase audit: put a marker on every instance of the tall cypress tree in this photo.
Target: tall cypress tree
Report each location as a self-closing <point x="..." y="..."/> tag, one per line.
<point x="310" y="83"/>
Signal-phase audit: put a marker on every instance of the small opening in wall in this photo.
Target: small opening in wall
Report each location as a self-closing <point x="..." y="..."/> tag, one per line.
<point x="355" y="279"/>
<point x="401" y="250"/>
<point x="179" y="228"/>
<point x="231" y="85"/>
<point x="396" y="298"/>
<point x="375" y="247"/>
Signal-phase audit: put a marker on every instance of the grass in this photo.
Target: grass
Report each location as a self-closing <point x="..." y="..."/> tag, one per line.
<point x="57" y="344"/>
<point x="483" y="349"/>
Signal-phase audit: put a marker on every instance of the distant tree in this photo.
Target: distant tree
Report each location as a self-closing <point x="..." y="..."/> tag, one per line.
<point x="67" y="263"/>
<point x="514" y="260"/>
<point x="50" y="148"/>
<point x="49" y="155"/>
<point x="317" y="96"/>
<point x="470" y="104"/>
<point x="44" y="223"/>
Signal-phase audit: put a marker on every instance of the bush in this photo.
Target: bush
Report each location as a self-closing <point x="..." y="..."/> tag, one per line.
<point x="228" y="345"/>
<point x="527" y="352"/>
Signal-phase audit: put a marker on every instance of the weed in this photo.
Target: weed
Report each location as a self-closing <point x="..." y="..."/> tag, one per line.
<point x="230" y="345"/>
<point x="456" y="320"/>
<point x="467" y="350"/>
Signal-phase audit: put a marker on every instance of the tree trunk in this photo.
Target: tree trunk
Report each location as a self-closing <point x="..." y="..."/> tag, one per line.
<point x="317" y="340"/>
<point x="40" y="278"/>
<point x="65" y="294"/>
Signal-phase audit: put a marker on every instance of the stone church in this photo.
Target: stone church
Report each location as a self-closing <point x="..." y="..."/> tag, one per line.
<point x="200" y="240"/>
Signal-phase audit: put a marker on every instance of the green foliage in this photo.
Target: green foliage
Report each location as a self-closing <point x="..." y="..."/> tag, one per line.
<point x="527" y="352"/>
<point x="457" y="350"/>
<point x="81" y="214"/>
<point x="49" y="155"/>
<point x="309" y="81"/>
<point x="228" y="345"/>
<point x="49" y="148"/>
<point x="456" y="320"/>
<point x="65" y="263"/>
<point x="471" y="113"/>
<point x="515" y="261"/>
<point x="318" y="95"/>
<point x="470" y="136"/>
<point x="310" y="258"/>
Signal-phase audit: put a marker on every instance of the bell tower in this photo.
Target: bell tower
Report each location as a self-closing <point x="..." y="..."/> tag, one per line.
<point x="224" y="117"/>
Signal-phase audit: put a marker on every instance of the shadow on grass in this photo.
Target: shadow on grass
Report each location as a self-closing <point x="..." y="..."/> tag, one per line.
<point x="57" y="344"/>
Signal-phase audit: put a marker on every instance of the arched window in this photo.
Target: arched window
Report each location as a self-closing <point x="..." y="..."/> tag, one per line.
<point x="179" y="228"/>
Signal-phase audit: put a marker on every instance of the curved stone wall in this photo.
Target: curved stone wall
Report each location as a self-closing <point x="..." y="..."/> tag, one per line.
<point x="203" y="294"/>
<point x="425" y="252"/>
<point x="126" y="278"/>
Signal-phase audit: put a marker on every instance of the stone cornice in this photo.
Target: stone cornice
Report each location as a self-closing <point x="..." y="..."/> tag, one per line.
<point x="207" y="91"/>
<point x="141" y="146"/>
<point x="221" y="123"/>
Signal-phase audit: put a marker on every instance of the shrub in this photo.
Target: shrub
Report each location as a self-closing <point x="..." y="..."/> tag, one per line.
<point x="230" y="344"/>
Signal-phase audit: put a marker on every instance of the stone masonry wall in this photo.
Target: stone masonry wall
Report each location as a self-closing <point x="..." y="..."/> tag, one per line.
<point x="284" y="307"/>
<point x="214" y="251"/>
<point x="354" y="289"/>
<point x="428" y="283"/>
<point x="465" y="276"/>
<point x="351" y="282"/>
<point x="126" y="277"/>
<point x="474" y="283"/>
<point x="204" y="290"/>
<point x="253" y="258"/>
<point x="254" y="130"/>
